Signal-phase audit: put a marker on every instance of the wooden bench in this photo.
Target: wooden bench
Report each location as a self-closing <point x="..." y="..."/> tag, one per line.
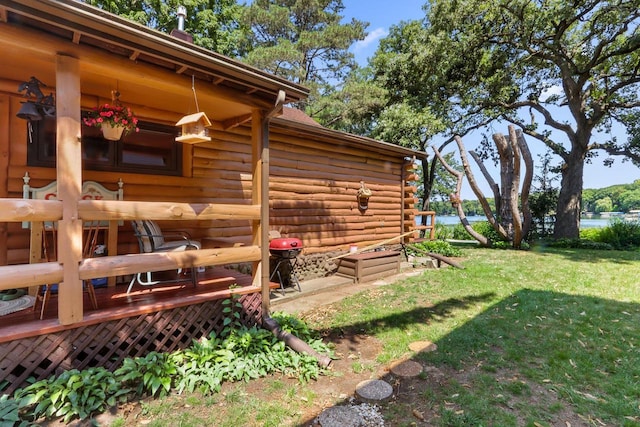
<point x="368" y="266"/>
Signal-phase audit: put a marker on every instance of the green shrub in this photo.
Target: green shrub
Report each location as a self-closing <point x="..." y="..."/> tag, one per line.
<point x="486" y="229"/>
<point x="242" y="353"/>
<point x="438" y="247"/>
<point x="444" y="231"/>
<point x="72" y="394"/>
<point x="460" y="233"/>
<point x="579" y="244"/>
<point x="10" y="413"/>
<point x="592" y="234"/>
<point x="621" y="234"/>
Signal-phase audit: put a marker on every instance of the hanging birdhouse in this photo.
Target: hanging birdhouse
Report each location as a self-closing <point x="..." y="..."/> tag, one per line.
<point x="194" y="128"/>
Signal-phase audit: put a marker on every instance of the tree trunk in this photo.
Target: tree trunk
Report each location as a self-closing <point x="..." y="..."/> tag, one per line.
<point x="570" y="199"/>
<point x="507" y="183"/>
<point x="476" y="188"/>
<point x="526" y="183"/>
<point x="428" y="175"/>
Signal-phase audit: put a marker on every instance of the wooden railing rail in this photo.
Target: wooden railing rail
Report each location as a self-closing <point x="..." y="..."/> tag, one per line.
<point x="128" y="210"/>
<point x="431" y="223"/>
<point x="24" y="275"/>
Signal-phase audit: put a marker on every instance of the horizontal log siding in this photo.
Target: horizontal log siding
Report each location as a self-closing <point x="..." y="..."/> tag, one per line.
<point x="313" y="192"/>
<point x="313" y="187"/>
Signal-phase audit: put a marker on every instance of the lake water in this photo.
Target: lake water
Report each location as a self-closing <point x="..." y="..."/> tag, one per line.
<point x="584" y="222"/>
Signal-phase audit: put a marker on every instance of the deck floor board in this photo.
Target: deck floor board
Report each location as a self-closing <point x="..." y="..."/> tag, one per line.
<point x="115" y="303"/>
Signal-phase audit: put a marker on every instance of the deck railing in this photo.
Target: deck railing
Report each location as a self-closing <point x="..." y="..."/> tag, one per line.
<point x="27" y="275"/>
<point x="430" y="224"/>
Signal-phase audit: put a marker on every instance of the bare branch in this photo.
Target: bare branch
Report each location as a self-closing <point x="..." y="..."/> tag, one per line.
<point x="526" y="184"/>
<point x="494" y="187"/>
<point x="515" y="186"/>
<point x="456" y="202"/>
<point x="476" y="188"/>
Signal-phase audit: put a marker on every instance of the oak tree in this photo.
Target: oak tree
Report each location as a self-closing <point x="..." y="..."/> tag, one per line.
<point x="564" y="72"/>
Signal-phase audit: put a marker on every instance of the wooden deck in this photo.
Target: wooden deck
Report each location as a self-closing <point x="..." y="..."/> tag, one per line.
<point x="154" y="318"/>
<point x="114" y="303"/>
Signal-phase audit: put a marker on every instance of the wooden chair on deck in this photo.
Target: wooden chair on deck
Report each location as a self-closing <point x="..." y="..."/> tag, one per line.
<point x="151" y="239"/>
<point x="49" y="245"/>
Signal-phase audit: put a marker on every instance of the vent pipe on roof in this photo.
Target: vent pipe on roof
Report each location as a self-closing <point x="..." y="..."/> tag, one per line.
<point x="182" y="13"/>
<point x="179" y="32"/>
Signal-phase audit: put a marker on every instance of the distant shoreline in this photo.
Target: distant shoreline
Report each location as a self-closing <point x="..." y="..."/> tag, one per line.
<point x="594" y="221"/>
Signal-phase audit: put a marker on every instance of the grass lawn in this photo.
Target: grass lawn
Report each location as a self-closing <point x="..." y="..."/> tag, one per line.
<point x="538" y="338"/>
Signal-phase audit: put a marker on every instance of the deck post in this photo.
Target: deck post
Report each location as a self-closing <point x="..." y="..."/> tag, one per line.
<point x="69" y="177"/>
<point x="260" y="196"/>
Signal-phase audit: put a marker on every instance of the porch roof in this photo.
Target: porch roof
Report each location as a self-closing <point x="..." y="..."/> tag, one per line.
<point x="86" y="26"/>
<point x="296" y="122"/>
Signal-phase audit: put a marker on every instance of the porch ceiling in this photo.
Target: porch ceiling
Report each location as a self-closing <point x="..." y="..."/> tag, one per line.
<point x="149" y="68"/>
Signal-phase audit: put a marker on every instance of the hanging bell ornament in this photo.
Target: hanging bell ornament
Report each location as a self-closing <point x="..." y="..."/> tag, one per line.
<point x="29" y="111"/>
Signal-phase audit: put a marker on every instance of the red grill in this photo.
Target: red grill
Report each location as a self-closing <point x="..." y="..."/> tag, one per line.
<point x="285" y="247"/>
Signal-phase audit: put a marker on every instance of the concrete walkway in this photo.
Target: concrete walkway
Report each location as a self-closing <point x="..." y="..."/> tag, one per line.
<point x="327" y="290"/>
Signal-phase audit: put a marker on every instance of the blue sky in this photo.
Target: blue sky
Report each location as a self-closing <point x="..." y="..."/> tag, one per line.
<point x="382" y="14"/>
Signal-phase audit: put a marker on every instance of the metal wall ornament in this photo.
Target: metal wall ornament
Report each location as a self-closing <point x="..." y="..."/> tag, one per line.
<point x="29" y="111"/>
<point x="34" y="110"/>
<point x="37" y="106"/>
<point x="363" y="197"/>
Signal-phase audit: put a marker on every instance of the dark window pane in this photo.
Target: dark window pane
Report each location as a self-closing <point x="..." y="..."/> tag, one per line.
<point x="152" y="150"/>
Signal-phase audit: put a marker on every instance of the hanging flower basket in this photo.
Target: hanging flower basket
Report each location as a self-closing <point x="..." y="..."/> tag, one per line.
<point x="111" y="132"/>
<point x="114" y="120"/>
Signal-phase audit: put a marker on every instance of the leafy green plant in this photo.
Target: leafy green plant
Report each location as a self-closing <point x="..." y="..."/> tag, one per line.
<point x="246" y="353"/>
<point x="621" y="234"/>
<point x="487" y="230"/>
<point x="460" y="233"/>
<point x="293" y="325"/>
<point x="579" y="244"/>
<point x="10" y="413"/>
<point x="232" y="307"/>
<point x="152" y="374"/>
<point x="443" y="231"/>
<point x="438" y="247"/>
<point x="201" y="368"/>
<point x="243" y="353"/>
<point x="72" y="394"/>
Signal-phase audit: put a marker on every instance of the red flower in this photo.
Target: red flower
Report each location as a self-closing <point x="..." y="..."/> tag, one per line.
<point x="115" y="115"/>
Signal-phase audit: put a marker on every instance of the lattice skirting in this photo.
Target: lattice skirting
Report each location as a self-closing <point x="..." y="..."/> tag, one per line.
<point x="108" y="344"/>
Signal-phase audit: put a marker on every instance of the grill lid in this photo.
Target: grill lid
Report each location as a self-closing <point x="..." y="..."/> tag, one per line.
<point x="283" y="244"/>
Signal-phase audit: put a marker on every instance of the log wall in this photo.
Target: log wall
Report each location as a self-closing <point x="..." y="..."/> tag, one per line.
<point x="314" y="181"/>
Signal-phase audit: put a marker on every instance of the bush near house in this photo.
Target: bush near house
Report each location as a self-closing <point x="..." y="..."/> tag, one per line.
<point x="241" y="353"/>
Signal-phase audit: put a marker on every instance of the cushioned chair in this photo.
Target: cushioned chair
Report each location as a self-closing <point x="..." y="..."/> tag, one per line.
<point x="152" y="239"/>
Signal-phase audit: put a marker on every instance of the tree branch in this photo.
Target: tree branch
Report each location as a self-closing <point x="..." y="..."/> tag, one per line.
<point x="456" y="202"/>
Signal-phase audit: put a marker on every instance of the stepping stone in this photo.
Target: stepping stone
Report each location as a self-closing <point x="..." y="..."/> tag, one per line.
<point x="422" y="346"/>
<point x="374" y="391"/>
<point x="407" y="369"/>
<point x="340" y="416"/>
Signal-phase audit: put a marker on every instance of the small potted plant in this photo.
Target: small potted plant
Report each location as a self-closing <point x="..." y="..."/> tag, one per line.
<point x="113" y="119"/>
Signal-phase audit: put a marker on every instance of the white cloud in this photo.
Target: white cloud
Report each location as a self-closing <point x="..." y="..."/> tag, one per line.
<point x="552" y="91"/>
<point x="374" y="35"/>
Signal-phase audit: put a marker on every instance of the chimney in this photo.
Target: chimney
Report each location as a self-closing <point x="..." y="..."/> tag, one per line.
<point x="179" y="32"/>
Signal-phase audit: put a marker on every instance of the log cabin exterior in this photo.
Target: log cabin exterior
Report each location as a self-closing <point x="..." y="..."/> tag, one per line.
<point x="262" y="170"/>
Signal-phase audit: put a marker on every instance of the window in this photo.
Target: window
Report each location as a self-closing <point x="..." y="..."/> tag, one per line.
<point x="153" y="150"/>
